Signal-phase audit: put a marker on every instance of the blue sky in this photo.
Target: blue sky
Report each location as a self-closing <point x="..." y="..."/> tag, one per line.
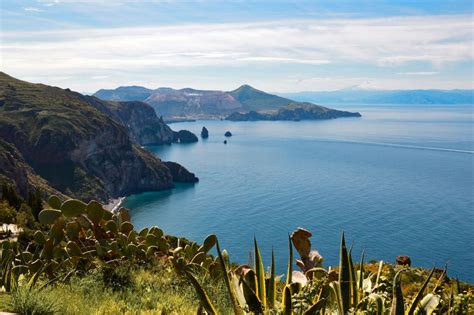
<point x="283" y="46"/>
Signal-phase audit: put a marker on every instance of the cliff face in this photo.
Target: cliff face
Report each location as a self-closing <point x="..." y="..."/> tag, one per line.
<point x="142" y="124"/>
<point x="78" y="149"/>
<point x="15" y="171"/>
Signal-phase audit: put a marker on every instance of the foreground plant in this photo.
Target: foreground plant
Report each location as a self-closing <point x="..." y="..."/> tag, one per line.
<point x="77" y="238"/>
<point x="315" y="290"/>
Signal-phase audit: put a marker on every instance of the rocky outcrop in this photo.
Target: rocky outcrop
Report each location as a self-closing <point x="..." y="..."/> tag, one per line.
<point x="294" y="112"/>
<point x="228" y="134"/>
<point x="140" y="119"/>
<point x="185" y="136"/>
<point x="403" y="261"/>
<point x="180" y="174"/>
<point x="204" y="133"/>
<point x="78" y="149"/>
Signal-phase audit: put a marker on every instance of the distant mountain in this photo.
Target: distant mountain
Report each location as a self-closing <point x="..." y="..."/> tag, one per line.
<point x="255" y="100"/>
<point x="124" y="93"/>
<point x="356" y="96"/>
<point x="183" y="104"/>
<point x="190" y="103"/>
<point x="55" y="139"/>
<point x="293" y="111"/>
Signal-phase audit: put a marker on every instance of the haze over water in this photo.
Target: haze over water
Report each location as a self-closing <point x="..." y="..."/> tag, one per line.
<point x="398" y="181"/>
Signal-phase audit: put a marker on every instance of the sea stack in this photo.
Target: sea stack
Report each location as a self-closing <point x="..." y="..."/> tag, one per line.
<point x="185" y="136"/>
<point x="228" y="134"/>
<point x="204" y="133"/>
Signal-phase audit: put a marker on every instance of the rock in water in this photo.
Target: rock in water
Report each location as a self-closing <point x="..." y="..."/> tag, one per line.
<point x="185" y="136"/>
<point x="225" y="141"/>
<point x="228" y="134"/>
<point x="204" y="133"/>
<point x="403" y="261"/>
<point x="180" y="173"/>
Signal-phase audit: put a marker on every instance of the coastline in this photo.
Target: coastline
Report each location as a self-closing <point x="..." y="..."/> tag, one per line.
<point x="114" y="204"/>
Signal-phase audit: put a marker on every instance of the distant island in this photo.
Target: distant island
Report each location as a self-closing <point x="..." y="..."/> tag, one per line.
<point x="243" y="103"/>
<point x="365" y="96"/>
<point x="294" y="112"/>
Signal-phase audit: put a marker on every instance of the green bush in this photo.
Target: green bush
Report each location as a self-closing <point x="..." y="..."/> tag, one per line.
<point x="7" y="213"/>
<point x="34" y="302"/>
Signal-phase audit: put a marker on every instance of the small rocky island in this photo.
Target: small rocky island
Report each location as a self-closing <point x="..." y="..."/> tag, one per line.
<point x="204" y="133"/>
<point x="228" y="134"/>
<point x="293" y="111"/>
<point x="185" y="136"/>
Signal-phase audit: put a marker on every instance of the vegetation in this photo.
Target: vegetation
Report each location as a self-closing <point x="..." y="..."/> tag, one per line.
<point x="95" y="258"/>
<point x="56" y="139"/>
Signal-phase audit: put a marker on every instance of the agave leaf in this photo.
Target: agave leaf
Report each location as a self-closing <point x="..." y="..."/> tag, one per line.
<point x="398" y="305"/>
<point x="316" y="307"/>
<point x="289" y="273"/>
<point x="233" y="297"/>
<point x="440" y="279"/>
<point x="271" y="284"/>
<point x="254" y="303"/>
<point x="336" y="296"/>
<point x="361" y="273"/>
<point x="379" y="272"/>
<point x="344" y="277"/>
<point x="286" y="301"/>
<point x="260" y="273"/>
<point x="203" y="297"/>
<point x="419" y="295"/>
<point x="235" y="283"/>
<point x="378" y="301"/>
<point x="353" y="279"/>
<point x="429" y="303"/>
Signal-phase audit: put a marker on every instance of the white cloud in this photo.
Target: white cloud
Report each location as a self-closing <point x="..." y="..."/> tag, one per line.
<point x="383" y="42"/>
<point x="33" y="9"/>
<point x="418" y="73"/>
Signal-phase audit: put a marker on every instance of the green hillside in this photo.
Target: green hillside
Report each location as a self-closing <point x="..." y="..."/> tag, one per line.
<point x="255" y="100"/>
<point x="79" y="150"/>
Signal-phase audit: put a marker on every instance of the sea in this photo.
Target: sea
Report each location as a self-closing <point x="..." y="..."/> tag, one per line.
<point x="397" y="181"/>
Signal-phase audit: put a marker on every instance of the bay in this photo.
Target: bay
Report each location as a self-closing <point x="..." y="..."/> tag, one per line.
<point x="398" y="181"/>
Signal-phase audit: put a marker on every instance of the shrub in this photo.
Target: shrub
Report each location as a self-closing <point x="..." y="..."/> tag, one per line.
<point x="37" y="302"/>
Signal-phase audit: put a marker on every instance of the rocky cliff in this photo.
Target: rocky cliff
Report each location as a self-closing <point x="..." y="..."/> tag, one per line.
<point x="78" y="149"/>
<point x="15" y="171"/>
<point x="140" y="119"/>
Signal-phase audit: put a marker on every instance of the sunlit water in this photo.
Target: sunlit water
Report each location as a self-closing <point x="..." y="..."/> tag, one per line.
<point x="397" y="181"/>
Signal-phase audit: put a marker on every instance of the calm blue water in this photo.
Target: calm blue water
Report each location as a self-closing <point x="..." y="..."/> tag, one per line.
<point x="397" y="181"/>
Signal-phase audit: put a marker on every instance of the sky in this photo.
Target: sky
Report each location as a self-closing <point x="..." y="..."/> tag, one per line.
<point x="276" y="46"/>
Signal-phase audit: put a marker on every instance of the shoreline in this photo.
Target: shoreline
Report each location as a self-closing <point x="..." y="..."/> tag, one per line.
<point x="114" y="204"/>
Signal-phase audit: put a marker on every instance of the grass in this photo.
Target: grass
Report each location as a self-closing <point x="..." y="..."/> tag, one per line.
<point x="151" y="290"/>
<point x="155" y="290"/>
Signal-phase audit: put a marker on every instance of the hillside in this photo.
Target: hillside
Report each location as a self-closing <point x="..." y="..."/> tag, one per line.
<point x="142" y="124"/>
<point x="293" y="111"/>
<point x="77" y="149"/>
<point x="192" y="103"/>
<point x="253" y="99"/>
<point x="124" y="93"/>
